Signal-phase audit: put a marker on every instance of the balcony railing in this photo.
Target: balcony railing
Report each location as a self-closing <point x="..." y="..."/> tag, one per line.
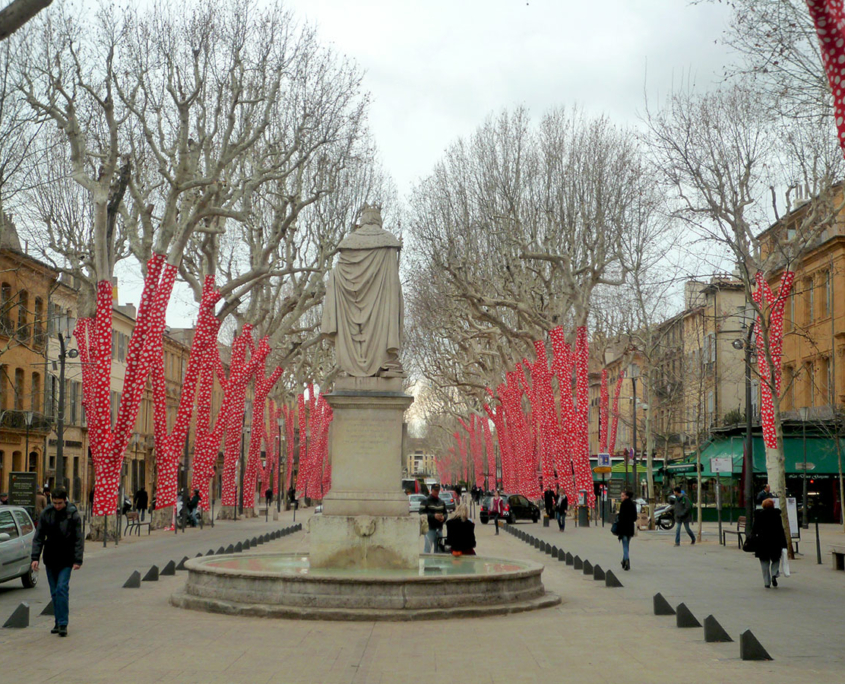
<point x="16" y="420"/>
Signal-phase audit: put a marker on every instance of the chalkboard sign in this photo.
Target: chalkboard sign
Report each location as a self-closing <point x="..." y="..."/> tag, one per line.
<point x="22" y="488"/>
<point x="614" y="488"/>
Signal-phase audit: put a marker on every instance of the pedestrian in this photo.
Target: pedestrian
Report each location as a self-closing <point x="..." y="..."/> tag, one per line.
<point x="292" y="496"/>
<point x="40" y="503"/>
<point x="268" y="496"/>
<point x="460" y="532"/>
<point x="4" y="499"/>
<point x="549" y="500"/>
<point x="562" y="507"/>
<point x="765" y="493"/>
<point x="497" y="508"/>
<point x="769" y="541"/>
<point x="193" y="507"/>
<point x="47" y="493"/>
<point x="59" y="535"/>
<point x="91" y="500"/>
<point x="435" y="509"/>
<point x="683" y="514"/>
<point x="625" y="526"/>
<point x="141" y="501"/>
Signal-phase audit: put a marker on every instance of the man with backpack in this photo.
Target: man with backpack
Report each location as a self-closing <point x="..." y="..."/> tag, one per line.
<point x="683" y="514"/>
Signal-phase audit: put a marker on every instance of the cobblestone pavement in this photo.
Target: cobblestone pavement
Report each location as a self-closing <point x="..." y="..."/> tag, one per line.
<point x="596" y="635"/>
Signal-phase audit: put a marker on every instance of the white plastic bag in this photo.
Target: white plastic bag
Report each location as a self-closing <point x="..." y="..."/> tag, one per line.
<point x="784" y="563"/>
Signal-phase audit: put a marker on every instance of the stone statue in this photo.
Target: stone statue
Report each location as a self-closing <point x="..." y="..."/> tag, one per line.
<point x="363" y="310"/>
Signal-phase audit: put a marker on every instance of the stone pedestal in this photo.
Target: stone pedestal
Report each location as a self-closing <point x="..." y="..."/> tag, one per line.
<point x="365" y="519"/>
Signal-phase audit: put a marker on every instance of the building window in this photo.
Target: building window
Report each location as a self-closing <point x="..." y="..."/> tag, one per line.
<point x="36" y="393"/>
<point x="824" y="381"/>
<point x="4" y="387"/>
<point x="826" y="294"/>
<point x="38" y="323"/>
<point x="23" y="305"/>
<point x="809" y="301"/>
<point x="789" y="388"/>
<point x="19" y="389"/>
<point x="6" y="309"/>
<point x="809" y="384"/>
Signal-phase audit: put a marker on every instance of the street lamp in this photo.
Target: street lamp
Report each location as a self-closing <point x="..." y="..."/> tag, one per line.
<point x="281" y="494"/>
<point x="804" y="411"/>
<point x="67" y="322"/>
<point x="28" y="416"/>
<point x="748" y="322"/>
<point x="634" y="373"/>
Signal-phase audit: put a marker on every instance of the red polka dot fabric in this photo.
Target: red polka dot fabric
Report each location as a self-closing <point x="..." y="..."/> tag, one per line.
<point x="830" y="28"/>
<point x="772" y="307"/>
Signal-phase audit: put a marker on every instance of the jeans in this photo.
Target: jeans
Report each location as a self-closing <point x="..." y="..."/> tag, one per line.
<point x="59" y="581"/>
<point x="767" y="574"/>
<point x="141" y="512"/>
<point x="561" y="521"/>
<point x="678" y="524"/>
<point x="431" y="541"/>
<point x="626" y="543"/>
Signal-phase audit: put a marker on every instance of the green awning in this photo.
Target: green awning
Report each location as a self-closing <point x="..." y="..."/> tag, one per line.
<point x="821" y="455"/>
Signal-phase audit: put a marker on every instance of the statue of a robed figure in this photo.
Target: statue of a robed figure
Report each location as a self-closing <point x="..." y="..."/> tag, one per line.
<point x="363" y="310"/>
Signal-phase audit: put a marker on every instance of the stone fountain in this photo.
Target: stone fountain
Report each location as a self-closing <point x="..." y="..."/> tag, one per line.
<point x="364" y="560"/>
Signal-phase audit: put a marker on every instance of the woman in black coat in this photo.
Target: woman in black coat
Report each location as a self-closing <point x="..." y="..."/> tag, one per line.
<point x="769" y="541"/>
<point x="625" y="525"/>
<point x="460" y="532"/>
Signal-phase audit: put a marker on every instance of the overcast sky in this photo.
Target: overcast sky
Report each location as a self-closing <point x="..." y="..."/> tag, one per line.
<point x="436" y="69"/>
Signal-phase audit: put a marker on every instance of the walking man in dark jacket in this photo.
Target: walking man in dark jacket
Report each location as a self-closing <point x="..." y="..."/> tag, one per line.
<point x="683" y="515"/>
<point x="59" y="535"/>
<point x="435" y="509"/>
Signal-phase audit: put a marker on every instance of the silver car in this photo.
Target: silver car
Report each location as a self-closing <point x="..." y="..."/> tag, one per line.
<point x="16" y="533"/>
<point x="414" y="501"/>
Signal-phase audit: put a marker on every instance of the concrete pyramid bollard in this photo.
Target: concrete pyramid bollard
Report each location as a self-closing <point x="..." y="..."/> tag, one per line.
<point x="547" y="548"/>
<point x="569" y="559"/>
<point x="537" y="543"/>
<point x="221" y="550"/>
<point x="19" y="617"/>
<point x="134" y="581"/>
<point x="247" y="544"/>
<point x="598" y="573"/>
<point x="152" y="574"/>
<point x="239" y="547"/>
<point x="577" y="563"/>
<point x="229" y="549"/>
<point x="199" y="555"/>
<point x="255" y="541"/>
<point x="561" y="555"/>
<point x="588" y="567"/>
<point x="662" y="606"/>
<point x="210" y="552"/>
<point x="48" y="609"/>
<point x="750" y="648"/>
<point x="610" y="580"/>
<point x="181" y="564"/>
<point x="684" y="617"/>
<point x="169" y="569"/>
<point x="266" y="538"/>
<point x="714" y="633"/>
<point x="555" y="551"/>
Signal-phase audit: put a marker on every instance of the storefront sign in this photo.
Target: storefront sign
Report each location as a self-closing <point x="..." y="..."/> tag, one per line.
<point x="22" y="488"/>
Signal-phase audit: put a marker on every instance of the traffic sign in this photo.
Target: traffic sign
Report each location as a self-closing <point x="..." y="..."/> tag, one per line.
<point x="602" y="470"/>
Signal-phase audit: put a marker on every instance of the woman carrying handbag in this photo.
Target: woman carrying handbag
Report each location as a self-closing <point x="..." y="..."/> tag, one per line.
<point x="768" y="540"/>
<point x="624" y="526"/>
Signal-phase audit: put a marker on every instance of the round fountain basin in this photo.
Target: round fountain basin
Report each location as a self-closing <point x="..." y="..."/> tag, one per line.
<point x="284" y="585"/>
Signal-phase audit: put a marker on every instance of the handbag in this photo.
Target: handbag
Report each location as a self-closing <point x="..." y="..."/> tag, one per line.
<point x="614" y="528"/>
<point x="784" y="563"/>
<point x="750" y="544"/>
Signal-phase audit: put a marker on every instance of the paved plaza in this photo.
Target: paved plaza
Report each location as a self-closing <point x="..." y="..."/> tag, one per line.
<point x="596" y="635"/>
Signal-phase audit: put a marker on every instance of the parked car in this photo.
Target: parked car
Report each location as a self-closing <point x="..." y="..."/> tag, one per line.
<point x="449" y="499"/>
<point x="517" y="507"/>
<point x="414" y="501"/>
<point x="16" y="533"/>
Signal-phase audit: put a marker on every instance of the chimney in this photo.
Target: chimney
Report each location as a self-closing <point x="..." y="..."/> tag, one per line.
<point x="692" y="294"/>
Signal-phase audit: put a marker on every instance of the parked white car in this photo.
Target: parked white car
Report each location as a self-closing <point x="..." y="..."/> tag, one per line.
<point x="16" y="533"/>
<point x="414" y="502"/>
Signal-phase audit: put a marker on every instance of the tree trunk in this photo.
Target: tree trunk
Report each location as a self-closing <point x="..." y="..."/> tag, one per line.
<point x="776" y="472"/>
<point x="698" y="487"/>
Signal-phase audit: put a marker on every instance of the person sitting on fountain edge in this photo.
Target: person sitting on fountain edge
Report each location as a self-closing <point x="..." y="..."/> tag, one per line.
<point x="435" y="509"/>
<point x="460" y="531"/>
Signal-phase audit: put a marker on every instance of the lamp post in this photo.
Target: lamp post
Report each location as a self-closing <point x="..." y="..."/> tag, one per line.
<point x="64" y="354"/>
<point x="239" y="504"/>
<point x="805" y="522"/>
<point x="28" y="415"/>
<point x="748" y="457"/>
<point x="281" y="494"/>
